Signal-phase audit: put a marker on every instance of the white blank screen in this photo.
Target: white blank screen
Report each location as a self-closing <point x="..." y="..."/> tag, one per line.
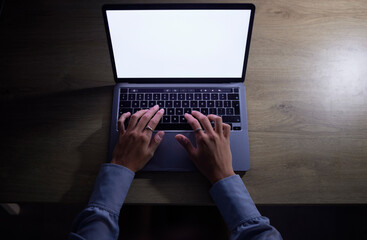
<point x="178" y="43"/>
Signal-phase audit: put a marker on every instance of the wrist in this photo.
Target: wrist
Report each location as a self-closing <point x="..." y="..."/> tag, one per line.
<point x="219" y="176"/>
<point x="121" y="163"/>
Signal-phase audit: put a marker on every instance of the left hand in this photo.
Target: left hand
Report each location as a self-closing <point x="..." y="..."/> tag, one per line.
<point x="135" y="146"/>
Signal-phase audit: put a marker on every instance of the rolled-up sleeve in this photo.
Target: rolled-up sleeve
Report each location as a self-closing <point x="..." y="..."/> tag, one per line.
<point x="239" y="211"/>
<point x="99" y="220"/>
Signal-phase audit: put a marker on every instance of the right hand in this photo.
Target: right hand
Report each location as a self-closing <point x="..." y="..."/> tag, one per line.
<point x="213" y="154"/>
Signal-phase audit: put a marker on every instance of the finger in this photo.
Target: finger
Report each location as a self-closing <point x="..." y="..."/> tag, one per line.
<point x="186" y="143"/>
<point x="146" y="118"/>
<point x="204" y="121"/>
<point x="135" y="118"/>
<point x="156" y="140"/>
<point x="121" y="122"/>
<point x="194" y="123"/>
<point x="226" y="130"/>
<point x="218" y="124"/>
<point x="154" y="121"/>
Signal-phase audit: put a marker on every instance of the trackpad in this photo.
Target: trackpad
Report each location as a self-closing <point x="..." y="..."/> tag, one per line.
<point x="171" y="156"/>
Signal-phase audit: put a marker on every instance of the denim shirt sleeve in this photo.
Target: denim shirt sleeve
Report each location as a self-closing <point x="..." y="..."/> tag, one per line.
<point x="239" y="211"/>
<point x="99" y="220"/>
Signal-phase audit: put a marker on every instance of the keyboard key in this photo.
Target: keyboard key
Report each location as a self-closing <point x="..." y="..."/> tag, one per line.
<point x="236" y="106"/>
<point x="214" y="96"/>
<point x="204" y="111"/>
<point x="173" y="96"/>
<point x="160" y="103"/>
<point x="196" y="109"/>
<point x="183" y="89"/>
<point x="233" y="96"/>
<point x="123" y="97"/>
<point x="222" y="96"/>
<point x="140" y="96"/>
<point x="148" y="96"/>
<point x="187" y="110"/>
<point x="136" y="110"/>
<point x="210" y="104"/>
<point x="218" y="103"/>
<point x="168" y="104"/>
<point x="144" y="104"/>
<point x="125" y="104"/>
<point x="229" y="111"/>
<point x="183" y="119"/>
<point x="156" y="96"/>
<point x="185" y="104"/>
<point x="164" y="96"/>
<point x="193" y="103"/>
<point x="177" y="104"/>
<point x="132" y="96"/>
<point x="170" y="111"/>
<point x="206" y="96"/>
<point x="135" y="104"/>
<point x="124" y="110"/>
<point x="202" y="104"/>
<point x="166" y="119"/>
<point x="181" y="96"/>
<point x="226" y="89"/>
<point x="189" y="96"/>
<point x="197" y="96"/>
<point x="123" y="90"/>
<point x="177" y="126"/>
<point x="228" y="119"/>
<point x="236" y="90"/>
<point x="179" y="111"/>
<point x="174" y="119"/>
<point x="213" y="111"/>
<point x="227" y="104"/>
<point x="221" y="111"/>
<point x="152" y="103"/>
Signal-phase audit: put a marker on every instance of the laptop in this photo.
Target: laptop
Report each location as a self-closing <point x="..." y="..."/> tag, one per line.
<point x="182" y="57"/>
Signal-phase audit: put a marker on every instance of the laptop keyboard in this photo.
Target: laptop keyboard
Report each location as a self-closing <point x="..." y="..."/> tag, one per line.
<point x="176" y="102"/>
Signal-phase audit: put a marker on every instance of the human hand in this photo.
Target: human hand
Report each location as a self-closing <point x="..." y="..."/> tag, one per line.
<point x="135" y="146"/>
<point x="213" y="154"/>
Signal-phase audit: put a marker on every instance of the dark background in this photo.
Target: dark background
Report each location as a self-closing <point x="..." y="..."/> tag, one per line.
<point x="53" y="221"/>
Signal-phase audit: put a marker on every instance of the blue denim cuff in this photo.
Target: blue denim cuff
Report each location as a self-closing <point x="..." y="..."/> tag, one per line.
<point x="233" y="201"/>
<point x="111" y="187"/>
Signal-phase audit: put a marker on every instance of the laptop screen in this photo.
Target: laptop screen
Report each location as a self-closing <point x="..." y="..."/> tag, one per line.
<point x="191" y="43"/>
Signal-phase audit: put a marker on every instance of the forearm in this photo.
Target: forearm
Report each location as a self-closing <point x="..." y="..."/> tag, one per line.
<point x="99" y="220"/>
<point x="239" y="211"/>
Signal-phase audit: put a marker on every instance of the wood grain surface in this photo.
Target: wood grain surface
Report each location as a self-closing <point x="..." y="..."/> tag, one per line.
<point x="306" y="89"/>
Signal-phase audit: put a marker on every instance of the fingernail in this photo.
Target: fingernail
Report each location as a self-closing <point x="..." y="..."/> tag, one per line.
<point x="161" y="110"/>
<point x="160" y="135"/>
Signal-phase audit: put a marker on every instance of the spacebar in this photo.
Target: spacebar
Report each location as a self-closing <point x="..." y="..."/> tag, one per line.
<point x="165" y="126"/>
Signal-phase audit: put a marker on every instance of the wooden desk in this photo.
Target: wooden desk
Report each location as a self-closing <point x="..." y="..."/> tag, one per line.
<point x="306" y="97"/>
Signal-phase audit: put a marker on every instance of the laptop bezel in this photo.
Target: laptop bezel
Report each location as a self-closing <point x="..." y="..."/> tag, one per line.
<point x="178" y="6"/>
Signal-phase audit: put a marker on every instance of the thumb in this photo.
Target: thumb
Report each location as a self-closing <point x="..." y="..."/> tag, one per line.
<point x="186" y="143"/>
<point x="157" y="139"/>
